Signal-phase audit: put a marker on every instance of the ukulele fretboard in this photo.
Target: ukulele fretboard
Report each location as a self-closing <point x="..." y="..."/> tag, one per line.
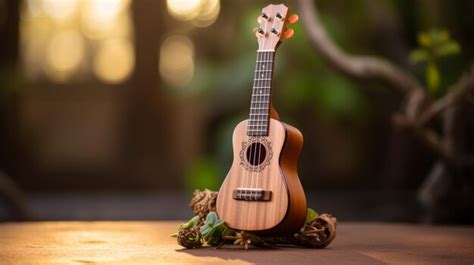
<point x="260" y="102"/>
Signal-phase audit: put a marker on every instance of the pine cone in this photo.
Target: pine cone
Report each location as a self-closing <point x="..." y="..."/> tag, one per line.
<point x="203" y="202"/>
<point x="318" y="233"/>
<point x="190" y="237"/>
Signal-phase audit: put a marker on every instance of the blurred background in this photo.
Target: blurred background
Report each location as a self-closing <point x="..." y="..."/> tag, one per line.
<point x="119" y="109"/>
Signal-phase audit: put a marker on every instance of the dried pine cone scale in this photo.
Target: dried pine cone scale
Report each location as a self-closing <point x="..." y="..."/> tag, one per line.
<point x="190" y="237"/>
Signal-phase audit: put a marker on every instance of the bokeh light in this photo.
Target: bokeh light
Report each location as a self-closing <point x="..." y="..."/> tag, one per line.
<point x="63" y="38"/>
<point x="64" y="55"/>
<point x="201" y="13"/>
<point x="114" y="60"/>
<point x="60" y="9"/>
<point x="104" y="18"/>
<point x="176" y="64"/>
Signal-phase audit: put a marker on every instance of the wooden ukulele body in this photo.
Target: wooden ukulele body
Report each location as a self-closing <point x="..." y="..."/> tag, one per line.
<point x="282" y="206"/>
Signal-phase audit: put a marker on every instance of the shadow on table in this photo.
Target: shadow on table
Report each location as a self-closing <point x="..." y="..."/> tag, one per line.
<point x="281" y="255"/>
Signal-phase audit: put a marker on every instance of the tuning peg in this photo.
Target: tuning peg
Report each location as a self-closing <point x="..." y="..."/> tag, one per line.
<point x="279" y="16"/>
<point x="258" y="31"/>
<point x="288" y="33"/>
<point x="293" y="19"/>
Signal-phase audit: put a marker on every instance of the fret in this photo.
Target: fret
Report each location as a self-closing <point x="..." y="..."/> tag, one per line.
<point x="261" y="76"/>
<point x="260" y="102"/>
<point x="262" y="123"/>
<point x="257" y="108"/>
<point x="263" y="61"/>
<point x="261" y="87"/>
<point x="263" y="70"/>
<point x="259" y="79"/>
<point x="256" y="130"/>
<point x="258" y="115"/>
<point x="258" y="123"/>
<point x="261" y="95"/>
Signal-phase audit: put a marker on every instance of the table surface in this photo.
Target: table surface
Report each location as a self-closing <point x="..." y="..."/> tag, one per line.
<point x="149" y="243"/>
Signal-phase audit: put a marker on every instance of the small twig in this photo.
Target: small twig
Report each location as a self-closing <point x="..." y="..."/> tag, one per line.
<point x="458" y="91"/>
<point x="360" y="67"/>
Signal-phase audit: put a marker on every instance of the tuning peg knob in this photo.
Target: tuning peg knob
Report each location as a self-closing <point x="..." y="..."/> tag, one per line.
<point x="258" y="31"/>
<point x="293" y="19"/>
<point x="288" y="33"/>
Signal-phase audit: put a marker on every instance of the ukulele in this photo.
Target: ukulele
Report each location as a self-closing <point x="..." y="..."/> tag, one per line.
<point x="262" y="192"/>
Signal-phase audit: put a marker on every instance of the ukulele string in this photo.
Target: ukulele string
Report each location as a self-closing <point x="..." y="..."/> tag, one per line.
<point x="263" y="88"/>
<point x="268" y="59"/>
<point x="252" y="143"/>
<point x="261" y="85"/>
<point x="261" y="117"/>
<point x="256" y="119"/>
<point x="259" y="120"/>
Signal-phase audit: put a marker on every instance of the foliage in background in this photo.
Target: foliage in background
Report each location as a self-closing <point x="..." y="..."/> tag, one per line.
<point x="203" y="173"/>
<point x="433" y="45"/>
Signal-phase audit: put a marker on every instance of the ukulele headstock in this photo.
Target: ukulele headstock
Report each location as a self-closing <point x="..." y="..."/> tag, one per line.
<point x="272" y="26"/>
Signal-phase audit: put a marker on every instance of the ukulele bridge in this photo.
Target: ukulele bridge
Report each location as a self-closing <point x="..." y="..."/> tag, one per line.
<point x="251" y="194"/>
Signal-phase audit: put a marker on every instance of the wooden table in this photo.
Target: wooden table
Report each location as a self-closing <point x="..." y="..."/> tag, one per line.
<point x="149" y="243"/>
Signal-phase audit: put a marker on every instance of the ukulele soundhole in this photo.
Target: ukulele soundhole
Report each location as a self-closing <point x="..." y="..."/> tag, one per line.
<point x="256" y="154"/>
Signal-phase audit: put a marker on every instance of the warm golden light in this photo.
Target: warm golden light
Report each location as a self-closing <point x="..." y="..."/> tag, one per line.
<point x="64" y="55"/>
<point x="184" y="9"/>
<point x="201" y="13"/>
<point x="177" y="61"/>
<point x="114" y="61"/>
<point x="104" y="18"/>
<point x="60" y="9"/>
<point x="58" y="37"/>
<point x="208" y="13"/>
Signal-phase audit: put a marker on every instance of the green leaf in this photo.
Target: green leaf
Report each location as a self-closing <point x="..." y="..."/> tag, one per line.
<point x="449" y="48"/>
<point x="205" y="229"/>
<point x="311" y="215"/>
<point x="211" y="218"/>
<point x="432" y="78"/>
<point x="439" y="35"/>
<point x="190" y="224"/>
<point x="424" y="39"/>
<point x="193" y="222"/>
<point x="419" y="55"/>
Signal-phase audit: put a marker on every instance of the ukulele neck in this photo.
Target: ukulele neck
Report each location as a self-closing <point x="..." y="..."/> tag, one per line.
<point x="261" y="100"/>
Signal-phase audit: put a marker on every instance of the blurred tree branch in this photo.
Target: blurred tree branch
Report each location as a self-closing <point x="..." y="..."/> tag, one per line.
<point x="419" y="108"/>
